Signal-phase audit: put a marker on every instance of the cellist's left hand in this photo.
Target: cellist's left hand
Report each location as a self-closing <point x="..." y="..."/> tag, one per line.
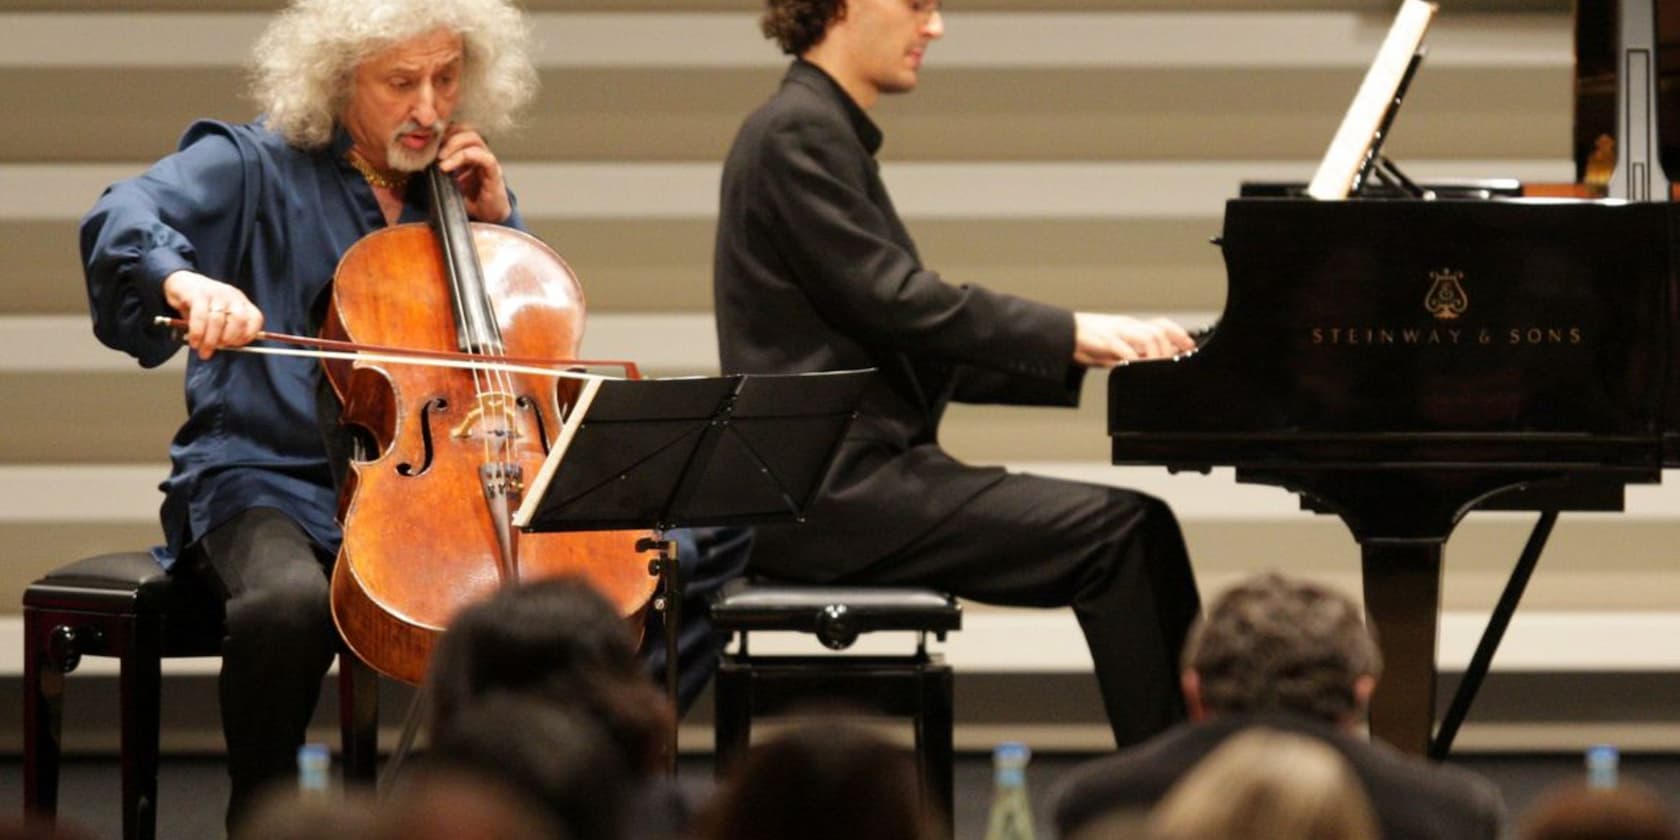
<point x="466" y="156"/>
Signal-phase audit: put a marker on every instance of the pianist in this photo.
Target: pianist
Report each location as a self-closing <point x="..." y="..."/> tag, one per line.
<point x="814" y="271"/>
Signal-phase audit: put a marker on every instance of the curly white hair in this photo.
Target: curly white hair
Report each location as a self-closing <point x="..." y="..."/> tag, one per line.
<point x="305" y="61"/>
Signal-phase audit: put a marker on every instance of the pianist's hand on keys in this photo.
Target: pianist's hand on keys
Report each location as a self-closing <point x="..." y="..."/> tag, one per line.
<point x="1103" y="340"/>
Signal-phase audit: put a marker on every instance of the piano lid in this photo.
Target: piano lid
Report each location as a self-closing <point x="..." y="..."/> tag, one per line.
<point x="1627" y="108"/>
<point x="1617" y="81"/>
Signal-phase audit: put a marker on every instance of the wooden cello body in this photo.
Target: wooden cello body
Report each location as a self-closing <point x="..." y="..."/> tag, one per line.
<point x="426" y="519"/>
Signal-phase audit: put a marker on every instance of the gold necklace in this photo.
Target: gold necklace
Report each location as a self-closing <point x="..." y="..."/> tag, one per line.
<point x="390" y="180"/>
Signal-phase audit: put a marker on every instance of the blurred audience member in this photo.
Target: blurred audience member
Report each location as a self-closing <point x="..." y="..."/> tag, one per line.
<point x="555" y="755"/>
<point x="438" y="801"/>
<point x="560" y="640"/>
<point x="281" y="813"/>
<point x="1628" y="811"/>
<point x="452" y="803"/>
<point x="561" y="643"/>
<point x="822" y="781"/>
<point x="1295" y="657"/>
<point x="1265" y="783"/>
<point x="1122" y="824"/>
<point x="30" y="827"/>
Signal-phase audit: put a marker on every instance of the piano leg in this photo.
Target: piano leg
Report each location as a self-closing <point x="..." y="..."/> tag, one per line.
<point x="1403" y="603"/>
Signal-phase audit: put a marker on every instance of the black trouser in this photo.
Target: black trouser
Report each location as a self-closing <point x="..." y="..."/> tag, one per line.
<point x="1116" y="556"/>
<point x="707" y="558"/>
<point x="280" y="641"/>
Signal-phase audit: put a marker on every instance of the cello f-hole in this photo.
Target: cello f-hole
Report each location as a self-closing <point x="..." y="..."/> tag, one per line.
<point x="525" y="403"/>
<point x="439" y="405"/>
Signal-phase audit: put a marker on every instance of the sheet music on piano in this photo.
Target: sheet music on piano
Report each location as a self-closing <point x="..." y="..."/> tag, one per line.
<point x="1351" y="148"/>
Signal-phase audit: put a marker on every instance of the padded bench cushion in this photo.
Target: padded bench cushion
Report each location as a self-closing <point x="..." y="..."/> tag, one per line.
<point x="832" y="611"/>
<point x="127" y="580"/>
<point x="122" y="570"/>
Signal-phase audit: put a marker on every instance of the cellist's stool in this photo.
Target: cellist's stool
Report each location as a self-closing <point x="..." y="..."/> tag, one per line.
<point x="125" y="606"/>
<point x="916" y="685"/>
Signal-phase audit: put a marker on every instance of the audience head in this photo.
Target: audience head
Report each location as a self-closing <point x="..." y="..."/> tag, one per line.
<point x="1117" y="824"/>
<point x="1628" y="811"/>
<point x="557" y="756"/>
<point x="430" y="802"/>
<point x="1266" y="783"/>
<point x="30" y="827"/>
<point x="457" y="803"/>
<point x="560" y="641"/>
<point x="1275" y="644"/>
<point x="821" y="781"/>
<point x="288" y="814"/>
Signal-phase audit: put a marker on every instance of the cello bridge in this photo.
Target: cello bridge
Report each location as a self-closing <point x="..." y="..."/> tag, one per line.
<point x="490" y="404"/>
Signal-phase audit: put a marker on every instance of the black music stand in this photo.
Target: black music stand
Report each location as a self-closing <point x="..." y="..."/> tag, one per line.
<point x="671" y="453"/>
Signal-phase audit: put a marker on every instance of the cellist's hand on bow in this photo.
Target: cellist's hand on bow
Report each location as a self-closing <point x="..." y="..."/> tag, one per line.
<point x="466" y="157"/>
<point x="218" y="315"/>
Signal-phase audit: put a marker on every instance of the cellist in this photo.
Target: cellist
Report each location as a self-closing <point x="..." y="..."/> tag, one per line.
<point x="240" y="230"/>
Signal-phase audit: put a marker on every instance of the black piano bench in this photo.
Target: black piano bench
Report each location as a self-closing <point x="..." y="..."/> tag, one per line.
<point x="916" y="685"/>
<point x="125" y="606"/>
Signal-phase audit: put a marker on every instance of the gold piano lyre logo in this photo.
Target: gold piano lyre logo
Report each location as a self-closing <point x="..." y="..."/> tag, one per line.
<point x="1446" y="299"/>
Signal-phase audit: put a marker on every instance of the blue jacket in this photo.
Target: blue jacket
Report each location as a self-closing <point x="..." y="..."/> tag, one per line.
<point x="239" y="204"/>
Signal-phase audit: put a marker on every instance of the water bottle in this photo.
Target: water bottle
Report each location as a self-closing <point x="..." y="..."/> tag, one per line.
<point x="314" y="763"/>
<point x="1602" y="761"/>
<point x="1011" y="817"/>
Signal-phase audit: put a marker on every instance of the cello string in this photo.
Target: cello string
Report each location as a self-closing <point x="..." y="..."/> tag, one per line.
<point x="494" y="387"/>
<point x="505" y="384"/>
<point x="483" y="321"/>
<point x="450" y="215"/>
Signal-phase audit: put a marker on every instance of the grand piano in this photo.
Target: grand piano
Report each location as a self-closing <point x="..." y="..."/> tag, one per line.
<point x="1400" y="361"/>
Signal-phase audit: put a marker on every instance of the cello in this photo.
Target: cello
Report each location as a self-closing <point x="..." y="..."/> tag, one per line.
<point x="427" y="520"/>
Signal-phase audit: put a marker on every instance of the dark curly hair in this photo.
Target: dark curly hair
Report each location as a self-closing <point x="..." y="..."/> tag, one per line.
<point x="797" y="25"/>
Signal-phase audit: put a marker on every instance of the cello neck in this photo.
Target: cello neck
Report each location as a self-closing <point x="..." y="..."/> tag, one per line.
<point x="475" y="325"/>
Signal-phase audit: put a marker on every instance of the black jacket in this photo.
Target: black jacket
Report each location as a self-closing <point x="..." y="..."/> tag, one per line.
<point x="1413" y="799"/>
<point x="814" y="271"/>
